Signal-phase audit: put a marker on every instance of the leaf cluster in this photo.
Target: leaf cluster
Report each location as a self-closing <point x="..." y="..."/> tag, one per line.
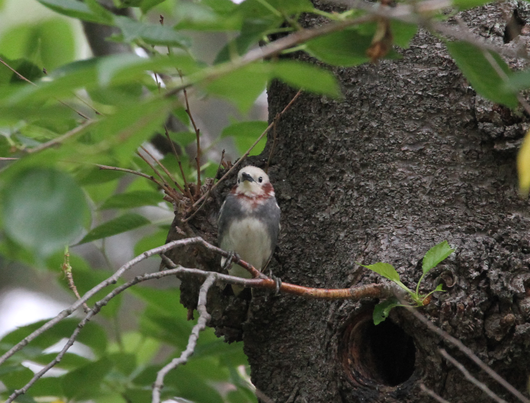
<point x="64" y="122"/>
<point x="432" y="258"/>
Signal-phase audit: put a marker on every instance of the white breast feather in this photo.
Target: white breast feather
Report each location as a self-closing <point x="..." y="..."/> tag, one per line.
<point x="249" y="238"/>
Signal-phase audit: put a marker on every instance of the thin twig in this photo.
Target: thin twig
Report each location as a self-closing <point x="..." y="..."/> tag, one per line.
<point x="433" y="394"/>
<point x="204" y="317"/>
<point x="370" y="290"/>
<point x="186" y="186"/>
<point x="198" y="137"/>
<point x="60" y="139"/>
<point x="111" y="280"/>
<point x="167" y="188"/>
<point x="67" y="270"/>
<point x="164" y="169"/>
<point x="130" y="171"/>
<point x="470" y="377"/>
<point x="275" y="135"/>
<point x="209" y="190"/>
<point x="248" y="151"/>
<point x="260" y="280"/>
<point x="97" y="307"/>
<point x="32" y="83"/>
<point x="467" y="351"/>
<point x="498" y="69"/>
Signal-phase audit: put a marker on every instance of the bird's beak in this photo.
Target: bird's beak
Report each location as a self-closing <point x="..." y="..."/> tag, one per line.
<point x="247" y="177"/>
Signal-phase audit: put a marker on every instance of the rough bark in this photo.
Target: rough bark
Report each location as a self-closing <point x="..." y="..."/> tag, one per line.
<point x="411" y="156"/>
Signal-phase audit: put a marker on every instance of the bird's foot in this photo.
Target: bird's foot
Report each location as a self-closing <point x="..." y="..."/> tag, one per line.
<point x="230" y="259"/>
<point x="277" y="281"/>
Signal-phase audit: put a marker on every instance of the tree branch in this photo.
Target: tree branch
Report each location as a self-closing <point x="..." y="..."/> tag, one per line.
<point x="467" y="351"/>
<point x="470" y="377"/>
<point x="204" y="317"/>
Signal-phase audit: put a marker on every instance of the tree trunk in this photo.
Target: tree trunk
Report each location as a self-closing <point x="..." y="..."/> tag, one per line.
<point x="410" y="157"/>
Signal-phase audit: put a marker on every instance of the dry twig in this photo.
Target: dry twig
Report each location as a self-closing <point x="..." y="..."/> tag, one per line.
<point x="204" y="317"/>
<point x="470" y="377"/>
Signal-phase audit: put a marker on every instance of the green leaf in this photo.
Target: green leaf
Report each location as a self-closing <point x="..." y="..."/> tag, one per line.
<point x="87" y="278"/>
<point x="86" y="382"/>
<point x="119" y="135"/>
<point x="23" y="66"/>
<point x="150" y="33"/>
<point x="202" y="17"/>
<point x="384" y="269"/>
<point x="43" y="209"/>
<point x="467" y="4"/>
<point x="481" y="74"/>
<point x="124" y="223"/>
<point x="402" y="33"/>
<point x="92" y="335"/>
<point x="16" y="377"/>
<point x="251" y="32"/>
<point x="46" y="386"/>
<point x="80" y="10"/>
<point x="245" y="134"/>
<point x="382" y="310"/>
<point x="69" y="360"/>
<point x="344" y="48"/>
<point x="49" y="43"/>
<point x="183" y="139"/>
<point x="132" y="199"/>
<point x="241" y="86"/>
<point x="435" y="255"/>
<point x="150" y="242"/>
<point x="307" y="76"/>
<point x="147" y="5"/>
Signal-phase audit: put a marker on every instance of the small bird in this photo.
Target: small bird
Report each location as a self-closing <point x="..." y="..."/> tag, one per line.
<point x="249" y="221"/>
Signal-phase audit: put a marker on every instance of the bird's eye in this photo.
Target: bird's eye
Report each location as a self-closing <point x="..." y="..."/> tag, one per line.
<point x="239" y="181"/>
<point x="260" y="179"/>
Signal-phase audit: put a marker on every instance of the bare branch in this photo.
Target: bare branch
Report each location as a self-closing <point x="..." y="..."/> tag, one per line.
<point x="470" y="377"/>
<point x="244" y="156"/>
<point x="32" y="83"/>
<point x="262" y="281"/>
<point x="204" y="317"/>
<point x="66" y="136"/>
<point x="111" y="280"/>
<point x="433" y="394"/>
<point x="467" y="351"/>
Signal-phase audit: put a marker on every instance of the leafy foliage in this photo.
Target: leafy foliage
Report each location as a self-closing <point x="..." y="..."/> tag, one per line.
<point x="432" y="258"/>
<point x="74" y="134"/>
